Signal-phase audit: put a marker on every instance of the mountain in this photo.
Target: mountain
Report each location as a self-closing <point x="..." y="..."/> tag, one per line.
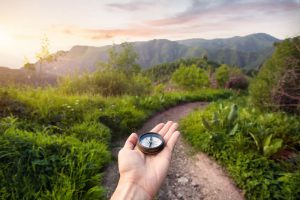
<point x="247" y="52"/>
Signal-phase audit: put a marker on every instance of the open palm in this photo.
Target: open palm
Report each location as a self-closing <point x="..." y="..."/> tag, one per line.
<point x="148" y="171"/>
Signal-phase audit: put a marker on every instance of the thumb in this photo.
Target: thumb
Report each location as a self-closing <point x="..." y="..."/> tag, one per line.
<point x="131" y="141"/>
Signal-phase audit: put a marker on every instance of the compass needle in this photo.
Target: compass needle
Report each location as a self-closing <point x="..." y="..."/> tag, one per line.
<point x="150" y="143"/>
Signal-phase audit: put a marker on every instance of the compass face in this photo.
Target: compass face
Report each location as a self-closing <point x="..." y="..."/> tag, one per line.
<point x="151" y="143"/>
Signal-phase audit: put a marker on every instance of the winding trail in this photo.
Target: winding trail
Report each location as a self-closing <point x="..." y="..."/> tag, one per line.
<point x="192" y="175"/>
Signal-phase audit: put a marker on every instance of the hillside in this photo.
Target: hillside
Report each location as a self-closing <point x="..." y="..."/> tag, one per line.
<point x="247" y="52"/>
<point x="21" y="76"/>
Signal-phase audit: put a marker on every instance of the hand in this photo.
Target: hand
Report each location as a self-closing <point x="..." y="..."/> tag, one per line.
<point x="144" y="174"/>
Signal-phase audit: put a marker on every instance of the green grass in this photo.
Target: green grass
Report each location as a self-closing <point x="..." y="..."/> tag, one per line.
<point x="41" y="166"/>
<point x="55" y="145"/>
<point x="259" y="150"/>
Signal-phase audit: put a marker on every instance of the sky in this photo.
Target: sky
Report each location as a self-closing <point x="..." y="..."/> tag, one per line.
<point x="23" y="23"/>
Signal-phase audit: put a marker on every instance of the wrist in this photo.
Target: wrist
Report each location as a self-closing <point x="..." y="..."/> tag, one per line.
<point x="127" y="189"/>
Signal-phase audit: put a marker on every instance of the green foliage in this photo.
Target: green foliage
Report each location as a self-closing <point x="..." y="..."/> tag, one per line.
<point x="248" y="143"/>
<point x="190" y="77"/>
<point x="140" y="85"/>
<point x="276" y="85"/>
<point x="231" y="77"/>
<point x="39" y="166"/>
<point x="162" y="73"/>
<point x="222" y="75"/>
<point x="271" y="146"/>
<point x="123" y="60"/>
<point x="107" y="83"/>
<point x="87" y="131"/>
<point x="10" y="105"/>
<point x="119" y="76"/>
<point x="55" y="147"/>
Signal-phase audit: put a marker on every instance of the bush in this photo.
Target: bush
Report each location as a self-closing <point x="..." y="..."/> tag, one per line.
<point x="249" y="143"/>
<point x="39" y="166"/>
<point x="237" y="82"/>
<point x="222" y="75"/>
<point x="8" y="105"/>
<point x="140" y="85"/>
<point x="87" y="131"/>
<point x="277" y="83"/>
<point x="107" y="83"/>
<point x="231" y="77"/>
<point x="190" y="78"/>
<point x="122" y="117"/>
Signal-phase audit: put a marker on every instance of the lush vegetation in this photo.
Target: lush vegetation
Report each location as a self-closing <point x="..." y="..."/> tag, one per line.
<point x="55" y="141"/>
<point x="54" y="145"/>
<point x="259" y="148"/>
<point x="277" y="85"/>
<point x="190" y="78"/>
<point x="162" y="73"/>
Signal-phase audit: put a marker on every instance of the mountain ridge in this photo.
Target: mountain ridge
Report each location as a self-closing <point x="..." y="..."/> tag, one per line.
<point x="245" y="51"/>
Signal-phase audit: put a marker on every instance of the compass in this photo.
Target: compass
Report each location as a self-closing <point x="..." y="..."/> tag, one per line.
<point x="151" y="143"/>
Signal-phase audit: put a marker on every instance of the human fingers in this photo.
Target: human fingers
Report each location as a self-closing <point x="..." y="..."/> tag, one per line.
<point x="165" y="129"/>
<point x="157" y="128"/>
<point x="170" y="131"/>
<point x="131" y="141"/>
<point x="173" y="139"/>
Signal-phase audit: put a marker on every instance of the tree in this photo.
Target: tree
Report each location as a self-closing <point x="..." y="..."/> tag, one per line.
<point x="222" y="75"/>
<point x="277" y="84"/>
<point x="190" y="77"/>
<point x="123" y="60"/>
<point x="43" y="55"/>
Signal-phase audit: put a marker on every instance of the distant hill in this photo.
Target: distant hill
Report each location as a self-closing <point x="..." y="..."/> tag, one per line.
<point x="20" y="76"/>
<point x="247" y="52"/>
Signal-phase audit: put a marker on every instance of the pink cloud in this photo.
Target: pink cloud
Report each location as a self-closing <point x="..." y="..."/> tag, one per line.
<point x="198" y="11"/>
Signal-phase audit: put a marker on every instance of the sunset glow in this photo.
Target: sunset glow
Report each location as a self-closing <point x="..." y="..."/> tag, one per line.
<point x="5" y="39"/>
<point x="96" y="23"/>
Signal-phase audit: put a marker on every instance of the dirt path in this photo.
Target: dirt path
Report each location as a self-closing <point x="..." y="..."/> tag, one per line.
<point x="191" y="175"/>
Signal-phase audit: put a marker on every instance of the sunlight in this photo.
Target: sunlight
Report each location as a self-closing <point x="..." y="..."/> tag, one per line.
<point x="5" y="38"/>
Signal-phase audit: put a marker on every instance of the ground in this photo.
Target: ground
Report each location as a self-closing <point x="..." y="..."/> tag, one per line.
<point x="192" y="175"/>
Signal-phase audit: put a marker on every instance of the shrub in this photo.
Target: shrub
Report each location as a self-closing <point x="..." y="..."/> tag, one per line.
<point x="277" y="83"/>
<point x="76" y="84"/>
<point x="140" y="85"/>
<point x="237" y="82"/>
<point x="190" y="77"/>
<point x="231" y="77"/>
<point x="109" y="83"/>
<point x="222" y="75"/>
<point x="10" y="106"/>
<point x="121" y="116"/>
<point x="248" y="144"/>
<point x="87" y="131"/>
<point x="39" y="166"/>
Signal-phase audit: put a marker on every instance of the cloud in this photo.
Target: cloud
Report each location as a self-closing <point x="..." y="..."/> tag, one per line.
<point x="104" y="34"/>
<point x="200" y="18"/>
<point x="130" y="6"/>
<point x="210" y="10"/>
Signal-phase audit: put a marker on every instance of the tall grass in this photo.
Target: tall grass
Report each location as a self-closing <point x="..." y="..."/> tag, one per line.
<point x="55" y="145"/>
